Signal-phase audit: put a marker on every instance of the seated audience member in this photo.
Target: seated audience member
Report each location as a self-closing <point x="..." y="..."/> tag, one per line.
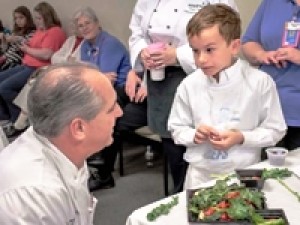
<point x="3" y="32"/>
<point x="22" y="121"/>
<point x="112" y="58"/>
<point x="48" y="38"/>
<point x="72" y="109"/>
<point x="227" y="110"/>
<point x="102" y="49"/>
<point x="70" y="51"/>
<point x="22" y="31"/>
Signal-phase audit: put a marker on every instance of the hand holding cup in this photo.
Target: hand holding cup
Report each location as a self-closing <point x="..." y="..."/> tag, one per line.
<point x="155" y="49"/>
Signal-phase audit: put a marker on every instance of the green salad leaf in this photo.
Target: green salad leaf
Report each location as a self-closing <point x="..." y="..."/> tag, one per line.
<point x="162" y="209"/>
<point x="224" y="202"/>
<point x="275" y="173"/>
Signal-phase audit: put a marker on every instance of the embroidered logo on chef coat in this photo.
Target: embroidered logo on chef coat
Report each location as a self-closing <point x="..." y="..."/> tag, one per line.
<point x="228" y="118"/>
<point x="193" y="6"/>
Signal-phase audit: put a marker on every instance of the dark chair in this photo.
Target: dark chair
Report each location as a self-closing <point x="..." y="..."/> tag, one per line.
<point x="146" y="137"/>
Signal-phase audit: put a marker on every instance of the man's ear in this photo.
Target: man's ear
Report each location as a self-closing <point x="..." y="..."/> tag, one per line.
<point x="78" y="128"/>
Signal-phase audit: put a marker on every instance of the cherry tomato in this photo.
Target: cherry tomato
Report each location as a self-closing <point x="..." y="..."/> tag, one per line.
<point x="232" y="194"/>
<point x="224" y="217"/>
<point x="209" y="211"/>
<point x="223" y="205"/>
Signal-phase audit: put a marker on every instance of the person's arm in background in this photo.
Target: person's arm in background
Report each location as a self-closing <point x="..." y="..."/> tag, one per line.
<point x="50" y="44"/>
<point x="13" y="53"/>
<point x="64" y="52"/>
<point x="135" y="88"/>
<point x="12" y="38"/>
<point x="137" y="40"/>
<point x="114" y="60"/>
<point x="40" y="53"/>
<point x="252" y="48"/>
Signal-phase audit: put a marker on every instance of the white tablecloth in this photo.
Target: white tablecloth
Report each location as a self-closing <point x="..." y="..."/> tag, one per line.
<point x="277" y="197"/>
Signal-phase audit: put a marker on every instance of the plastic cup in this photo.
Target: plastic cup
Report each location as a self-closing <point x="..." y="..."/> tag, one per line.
<point x="277" y="155"/>
<point x="156" y="74"/>
<point x="156" y="47"/>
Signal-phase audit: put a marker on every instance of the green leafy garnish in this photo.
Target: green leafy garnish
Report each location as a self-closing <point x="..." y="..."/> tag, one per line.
<point x="276" y="173"/>
<point x="279" y="174"/>
<point x="162" y="209"/>
<point x="289" y="189"/>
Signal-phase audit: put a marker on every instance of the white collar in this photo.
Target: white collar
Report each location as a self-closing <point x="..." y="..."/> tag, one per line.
<point x="227" y="76"/>
<point x="62" y="162"/>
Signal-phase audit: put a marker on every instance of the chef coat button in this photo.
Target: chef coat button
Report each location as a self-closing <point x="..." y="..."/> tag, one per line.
<point x="175" y="10"/>
<point x="150" y="26"/>
<point x="154" y="10"/>
<point x="168" y="27"/>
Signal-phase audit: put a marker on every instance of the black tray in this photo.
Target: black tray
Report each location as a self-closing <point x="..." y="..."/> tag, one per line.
<point x="192" y="220"/>
<point x="273" y="214"/>
<point x="251" y="178"/>
<point x="266" y="214"/>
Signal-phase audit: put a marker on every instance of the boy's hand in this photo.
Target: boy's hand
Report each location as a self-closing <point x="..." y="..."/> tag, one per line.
<point x="205" y="133"/>
<point x="227" y="139"/>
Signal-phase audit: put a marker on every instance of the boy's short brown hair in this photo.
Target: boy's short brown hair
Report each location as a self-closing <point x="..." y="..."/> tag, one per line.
<point x="223" y="15"/>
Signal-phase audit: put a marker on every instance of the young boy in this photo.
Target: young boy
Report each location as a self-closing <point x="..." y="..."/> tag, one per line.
<point x="226" y="111"/>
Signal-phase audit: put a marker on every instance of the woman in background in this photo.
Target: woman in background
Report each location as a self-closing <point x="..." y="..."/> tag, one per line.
<point x="102" y="49"/>
<point x="70" y="51"/>
<point x="112" y="58"/>
<point x="22" y="31"/>
<point x="47" y="39"/>
<point x="272" y="43"/>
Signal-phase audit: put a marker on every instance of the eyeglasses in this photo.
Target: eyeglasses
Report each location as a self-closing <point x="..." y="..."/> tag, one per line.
<point x="85" y="24"/>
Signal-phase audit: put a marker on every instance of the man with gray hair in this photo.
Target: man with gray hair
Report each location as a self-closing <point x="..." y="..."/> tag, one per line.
<point x="72" y="109"/>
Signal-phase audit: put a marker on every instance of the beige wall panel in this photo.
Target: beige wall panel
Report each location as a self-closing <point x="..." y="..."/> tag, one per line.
<point x="113" y="14"/>
<point x="247" y="9"/>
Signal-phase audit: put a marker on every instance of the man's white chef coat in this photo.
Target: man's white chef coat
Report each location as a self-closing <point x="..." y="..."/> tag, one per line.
<point x="39" y="185"/>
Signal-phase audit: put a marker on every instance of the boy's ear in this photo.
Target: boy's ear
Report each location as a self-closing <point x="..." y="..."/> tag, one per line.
<point x="235" y="46"/>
